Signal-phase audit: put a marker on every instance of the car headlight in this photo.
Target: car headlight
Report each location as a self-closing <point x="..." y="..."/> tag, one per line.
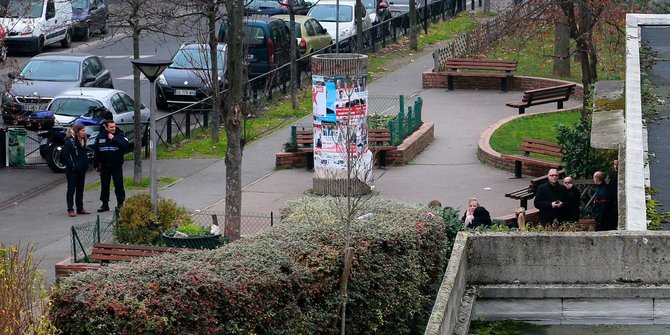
<point x="6" y="98"/>
<point x="27" y="30"/>
<point x="162" y="80"/>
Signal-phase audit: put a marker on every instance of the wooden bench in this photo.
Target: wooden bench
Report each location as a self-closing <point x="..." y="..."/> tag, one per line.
<point x="526" y="193"/>
<point x="528" y="146"/>
<point x="557" y="94"/>
<point x="105" y="253"/>
<point x="484" y="68"/>
<point x="379" y="141"/>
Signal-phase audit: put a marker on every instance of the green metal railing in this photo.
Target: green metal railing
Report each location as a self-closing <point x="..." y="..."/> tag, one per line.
<point x="84" y="236"/>
<point x="401" y="126"/>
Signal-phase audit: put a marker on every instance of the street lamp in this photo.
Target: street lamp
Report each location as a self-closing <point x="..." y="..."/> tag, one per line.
<point x="151" y="70"/>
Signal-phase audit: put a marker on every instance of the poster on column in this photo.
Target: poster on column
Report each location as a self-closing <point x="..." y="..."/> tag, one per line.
<point x="339" y="107"/>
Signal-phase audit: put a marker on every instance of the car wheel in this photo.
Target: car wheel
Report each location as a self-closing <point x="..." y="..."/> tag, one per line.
<point x="160" y="103"/>
<point x="53" y="157"/>
<point x="67" y="42"/>
<point x="40" y="46"/>
<point x="87" y="33"/>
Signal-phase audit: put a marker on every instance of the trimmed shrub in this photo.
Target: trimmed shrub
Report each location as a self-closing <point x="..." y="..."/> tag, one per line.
<point x="23" y="298"/>
<point x="284" y="281"/>
<point x="138" y="224"/>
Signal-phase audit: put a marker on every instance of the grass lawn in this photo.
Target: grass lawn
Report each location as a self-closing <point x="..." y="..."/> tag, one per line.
<point x="538" y="126"/>
<point x="129" y="185"/>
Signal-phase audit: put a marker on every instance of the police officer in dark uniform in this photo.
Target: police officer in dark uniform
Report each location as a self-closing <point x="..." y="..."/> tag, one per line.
<point x="109" y="147"/>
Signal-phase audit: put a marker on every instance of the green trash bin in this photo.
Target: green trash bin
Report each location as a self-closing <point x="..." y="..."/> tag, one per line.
<point x="17" y="146"/>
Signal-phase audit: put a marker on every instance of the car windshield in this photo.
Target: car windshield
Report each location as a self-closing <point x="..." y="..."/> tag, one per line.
<point x="72" y="106"/>
<point x="80" y="4"/>
<point x="23" y="8"/>
<point x="327" y="13"/>
<point x="263" y="4"/>
<point x="196" y="59"/>
<point x="51" y="70"/>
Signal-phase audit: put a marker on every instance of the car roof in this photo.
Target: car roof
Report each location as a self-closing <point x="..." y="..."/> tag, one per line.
<point x="333" y="2"/>
<point x="194" y="45"/>
<point x="266" y="19"/>
<point x="63" y="56"/>
<point x="298" y="18"/>
<point x="88" y="92"/>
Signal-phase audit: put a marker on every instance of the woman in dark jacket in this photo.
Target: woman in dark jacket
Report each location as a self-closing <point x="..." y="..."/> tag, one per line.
<point x="76" y="165"/>
<point x="476" y="215"/>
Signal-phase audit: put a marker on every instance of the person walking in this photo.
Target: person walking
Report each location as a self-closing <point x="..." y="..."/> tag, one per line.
<point x="76" y="165"/>
<point x="572" y="201"/>
<point x="549" y="198"/>
<point x="109" y="147"/>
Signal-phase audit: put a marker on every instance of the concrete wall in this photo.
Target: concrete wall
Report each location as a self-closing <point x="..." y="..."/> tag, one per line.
<point x="565" y="271"/>
<point x="569" y="258"/>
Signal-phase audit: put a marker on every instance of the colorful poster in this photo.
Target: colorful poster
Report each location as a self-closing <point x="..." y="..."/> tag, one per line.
<point x="339" y="107"/>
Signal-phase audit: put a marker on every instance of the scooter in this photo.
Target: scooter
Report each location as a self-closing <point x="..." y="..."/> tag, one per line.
<point x="52" y="140"/>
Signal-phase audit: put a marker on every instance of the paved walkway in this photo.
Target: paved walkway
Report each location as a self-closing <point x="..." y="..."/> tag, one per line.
<point x="448" y="170"/>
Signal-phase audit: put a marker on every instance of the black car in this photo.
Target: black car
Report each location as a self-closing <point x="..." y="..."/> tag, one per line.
<point x="268" y="44"/>
<point x="274" y="7"/>
<point x="47" y="75"/>
<point x="188" y="79"/>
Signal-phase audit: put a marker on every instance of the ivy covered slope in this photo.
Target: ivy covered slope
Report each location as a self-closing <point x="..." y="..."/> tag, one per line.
<point x="284" y="281"/>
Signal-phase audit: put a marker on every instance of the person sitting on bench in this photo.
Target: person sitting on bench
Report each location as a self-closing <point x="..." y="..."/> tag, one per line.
<point x="476" y="215"/>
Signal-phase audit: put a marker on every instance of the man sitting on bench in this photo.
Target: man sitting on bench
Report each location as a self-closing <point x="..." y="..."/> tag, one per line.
<point x="549" y="199"/>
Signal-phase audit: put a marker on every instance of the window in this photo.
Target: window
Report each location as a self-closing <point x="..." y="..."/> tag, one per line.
<point x="310" y="28"/>
<point x="318" y="29"/>
<point x="128" y="102"/>
<point x="51" y="9"/>
<point x="118" y="104"/>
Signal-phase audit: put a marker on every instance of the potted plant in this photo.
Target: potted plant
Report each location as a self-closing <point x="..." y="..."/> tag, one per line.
<point x="190" y="235"/>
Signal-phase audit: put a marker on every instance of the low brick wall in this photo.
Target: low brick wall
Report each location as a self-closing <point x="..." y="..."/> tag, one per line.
<point x="412" y="146"/>
<point x="432" y="79"/>
<point x="489" y="156"/>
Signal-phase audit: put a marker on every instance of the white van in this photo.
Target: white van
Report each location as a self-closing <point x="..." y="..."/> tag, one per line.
<point x="32" y="24"/>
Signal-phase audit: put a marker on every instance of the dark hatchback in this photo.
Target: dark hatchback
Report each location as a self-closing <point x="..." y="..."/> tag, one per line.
<point x="47" y="75"/>
<point x="274" y="7"/>
<point x="188" y="80"/>
<point x="89" y="16"/>
<point x="268" y="43"/>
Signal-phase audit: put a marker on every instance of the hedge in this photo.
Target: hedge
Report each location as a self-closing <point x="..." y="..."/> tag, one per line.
<point x="284" y="281"/>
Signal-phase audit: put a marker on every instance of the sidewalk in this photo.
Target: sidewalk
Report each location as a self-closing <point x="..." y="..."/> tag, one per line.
<point x="448" y="170"/>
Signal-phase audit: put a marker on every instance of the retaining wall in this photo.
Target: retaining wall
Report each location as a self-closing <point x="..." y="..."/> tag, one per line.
<point x="559" y="268"/>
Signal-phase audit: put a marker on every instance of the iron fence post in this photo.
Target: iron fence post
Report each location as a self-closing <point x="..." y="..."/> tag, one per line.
<point x="294" y="136"/>
<point x="188" y="123"/>
<point x="272" y="219"/>
<point x="97" y="228"/>
<point x="169" y="129"/>
<point x="205" y="117"/>
<point x="74" y="246"/>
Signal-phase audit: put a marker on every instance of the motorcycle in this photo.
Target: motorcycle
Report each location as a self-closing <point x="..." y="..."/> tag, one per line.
<point x="53" y="139"/>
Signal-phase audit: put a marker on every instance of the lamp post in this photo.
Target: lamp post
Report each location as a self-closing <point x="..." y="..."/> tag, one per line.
<point x="151" y="70"/>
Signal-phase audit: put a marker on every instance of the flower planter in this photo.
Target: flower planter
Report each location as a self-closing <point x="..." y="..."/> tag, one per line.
<point x="205" y="242"/>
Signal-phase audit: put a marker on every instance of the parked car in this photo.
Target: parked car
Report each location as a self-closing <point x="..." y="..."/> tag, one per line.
<point x="187" y="80"/>
<point x="325" y="12"/>
<point x="268" y="44"/>
<point x="45" y="76"/>
<point x="309" y="33"/>
<point x="33" y="24"/>
<point x="274" y="7"/>
<point x="89" y="16"/>
<point x="83" y="105"/>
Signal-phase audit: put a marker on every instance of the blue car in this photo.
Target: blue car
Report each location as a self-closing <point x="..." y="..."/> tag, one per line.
<point x="89" y="16"/>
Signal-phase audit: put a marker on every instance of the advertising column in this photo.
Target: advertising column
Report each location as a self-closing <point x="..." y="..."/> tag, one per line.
<point x="339" y="106"/>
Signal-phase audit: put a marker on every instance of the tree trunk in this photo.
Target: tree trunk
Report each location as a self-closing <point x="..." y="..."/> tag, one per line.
<point x="359" y="11"/>
<point x="137" y="95"/>
<point x="215" y="126"/>
<point x="487" y="6"/>
<point x="413" y="44"/>
<point x="562" y="48"/>
<point x="233" y="112"/>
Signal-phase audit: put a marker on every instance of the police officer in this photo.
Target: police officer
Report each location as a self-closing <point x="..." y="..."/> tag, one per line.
<point x="109" y="147"/>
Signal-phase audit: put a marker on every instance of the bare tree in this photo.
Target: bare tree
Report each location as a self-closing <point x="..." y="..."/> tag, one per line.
<point x="562" y="48"/>
<point x="143" y="16"/>
<point x="413" y="31"/>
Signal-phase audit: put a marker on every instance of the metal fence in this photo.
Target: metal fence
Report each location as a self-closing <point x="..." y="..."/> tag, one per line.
<point x="405" y="124"/>
<point x="84" y="236"/>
